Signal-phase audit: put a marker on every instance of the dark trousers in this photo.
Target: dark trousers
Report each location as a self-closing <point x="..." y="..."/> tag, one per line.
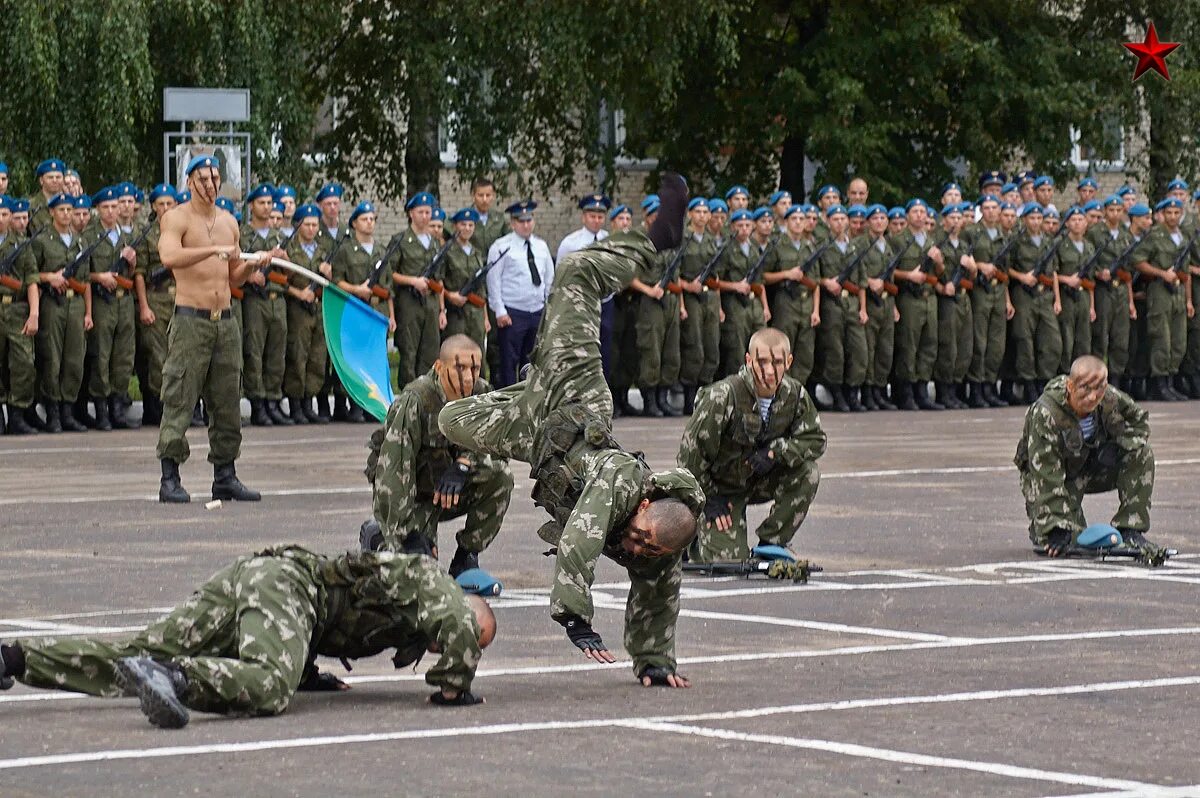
<point x="516" y="343"/>
<point x="608" y="314"/>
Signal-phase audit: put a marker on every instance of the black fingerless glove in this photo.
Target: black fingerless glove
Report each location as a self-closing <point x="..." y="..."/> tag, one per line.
<point x="317" y="681"/>
<point x="464" y="699"/>
<point x="657" y="675"/>
<point x="581" y="634"/>
<point x="1108" y="456"/>
<point x="760" y="461"/>
<point x="715" y="507"/>
<point x="453" y="479"/>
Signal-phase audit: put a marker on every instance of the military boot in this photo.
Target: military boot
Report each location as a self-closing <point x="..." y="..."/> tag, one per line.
<point x="103" y="422"/>
<point x="662" y="398"/>
<point x="66" y="417"/>
<point x="116" y="412"/>
<point x="463" y="561"/>
<point x="17" y="425"/>
<point x="258" y="413"/>
<point x="989" y="395"/>
<point x="650" y="407"/>
<point x="341" y="408"/>
<point x="903" y="394"/>
<point x="159" y="687"/>
<point x="1031" y="392"/>
<point x="689" y="399"/>
<point x="621" y="402"/>
<point x="271" y="406"/>
<point x="226" y="485"/>
<point x="323" y="409"/>
<point x="837" y="392"/>
<point x="296" y="410"/>
<point x="199" y="417"/>
<point x="868" y="398"/>
<point x="921" y="396"/>
<point x="53" y="423"/>
<point x="355" y="414"/>
<point x="852" y="399"/>
<point x="33" y="419"/>
<point x="151" y="410"/>
<point x="881" y="398"/>
<point x="170" y="488"/>
<point x="313" y="416"/>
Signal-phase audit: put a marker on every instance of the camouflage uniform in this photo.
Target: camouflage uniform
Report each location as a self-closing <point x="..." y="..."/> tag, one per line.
<point x="409" y="454"/>
<point x="881" y="314"/>
<point x="792" y="304"/>
<point x="416" y="337"/>
<point x="1166" y="305"/>
<point x="1058" y="466"/>
<point x="111" y="339"/>
<point x="1074" y="323"/>
<point x="17" y="374"/>
<point x="989" y="309"/>
<point x="245" y="638"/>
<point x="264" y="320"/>
<point x="1110" y="331"/>
<point x="160" y="298"/>
<point x="724" y="431"/>
<point x="61" y="340"/>
<point x="916" y="332"/>
<point x="304" y="369"/>
<point x="1037" y="343"/>
<point x="743" y="314"/>
<point x="956" y="326"/>
<point x="657" y="327"/>
<point x="700" y="332"/>
<point x="590" y="487"/>
<point x="468" y="320"/>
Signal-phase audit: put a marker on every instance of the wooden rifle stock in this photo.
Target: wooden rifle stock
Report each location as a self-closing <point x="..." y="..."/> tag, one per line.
<point x="11" y="283"/>
<point x="236" y="292"/>
<point x="124" y="282"/>
<point x="380" y="291"/>
<point x="76" y="286"/>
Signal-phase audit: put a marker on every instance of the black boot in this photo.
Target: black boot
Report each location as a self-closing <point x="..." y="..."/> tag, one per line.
<point x="1031" y="391"/>
<point x="650" y="407"/>
<point x="296" y="410"/>
<point x="976" y="396"/>
<point x="989" y="395"/>
<point x="116" y="412"/>
<point x="662" y="398"/>
<point x="881" y="398"/>
<point x="838" y="393"/>
<point x="921" y="396"/>
<point x="902" y="392"/>
<point x="103" y="422"/>
<point x="621" y="402"/>
<point x="689" y="399"/>
<point x="159" y="686"/>
<point x="463" y="561"/>
<point x="313" y="416"/>
<point x="198" y="416"/>
<point x="1137" y="388"/>
<point x="341" y="407"/>
<point x="853" y="401"/>
<point x="868" y="398"/>
<point x="170" y="489"/>
<point x="811" y="387"/>
<point x="66" y="417"/>
<point x="1191" y="385"/>
<point x="17" y="425"/>
<point x="276" y="414"/>
<point x="151" y="410"/>
<point x="258" y="413"/>
<point x="948" y="396"/>
<point x="53" y="423"/>
<point x="226" y="485"/>
<point x="1175" y="386"/>
<point x="1160" y="390"/>
<point x="33" y="419"/>
<point x="323" y="409"/>
<point x="355" y="415"/>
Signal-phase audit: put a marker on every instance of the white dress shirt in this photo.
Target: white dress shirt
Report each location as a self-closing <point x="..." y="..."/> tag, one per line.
<point x="580" y="239"/>
<point x="510" y="284"/>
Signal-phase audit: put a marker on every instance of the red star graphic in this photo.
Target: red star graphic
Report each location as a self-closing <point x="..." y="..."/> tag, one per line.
<point x="1151" y="53"/>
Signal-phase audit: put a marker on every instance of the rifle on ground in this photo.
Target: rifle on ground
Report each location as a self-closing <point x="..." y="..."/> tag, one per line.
<point x="435" y="285"/>
<point x="6" y="278"/>
<point x="705" y="277"/>
<point x="471" y="288"/>
<point x="667" y="283"/>
<point x="755" y="274"/>
<point x="122" y="281"/>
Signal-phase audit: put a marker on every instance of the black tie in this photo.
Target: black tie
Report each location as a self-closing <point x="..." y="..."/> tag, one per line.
<point x="533" y="270"/>
<point x="595" y="238"/>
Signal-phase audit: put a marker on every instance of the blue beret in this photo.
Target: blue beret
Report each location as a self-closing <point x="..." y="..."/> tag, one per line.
<point x="760" y="212"/>
<point x="933" y="212"/>
<point x="834" y="210"/>
<point x="1169" y="202"/>
<point x="991" y="178"/>
<point x="651" y="207"/>
<point x="793" y="210"/>
<point x="1112" y="199"/>
<point x="1026" y="176"/>
<point x="1050" y="211"/>
<point x="1177" y="184"/>
<point x="330" y="190"/>
<point x="857" y="211"/>
<point x="826" y="189"/>
<point x="3" y="168"/>
<point x="60" y="199"/>
<point x="1007" y="206"/>
<point x="6" y="202"/>
<point x="20" y="206"/>
<point x="200" y="161"/>
<point x="951" y="186"/>
<point x="284" y="191"/>
<point x="1072" y="211"/>
<point x="106" y="194"/>
<point x="915" y="202"/>
<point x="1031" y="207"/>
<point x="617" y="211"/>
<point x="777" y="196"/>
<point x="1139" y="209"/>
<point x="1044" y="180"/>
<point x="278" y="207"/>
<point x="261" y="190"/>
<point x="183" y="196"/>
<point x="225" y="204"/>
<point x="126" y="189"/>
<point x="739" y="189"/>
<point x="595" y="202"/>
<point x="1091" y="205"/>
<point x="987" y="198"/>
<point x="438" y="215"/>
<point x="419" y="199"/>
<point x="808" y="207"/>
<point x="83" y="201"/>
<point x="1088" y="182"/>
<point x="650" y="199"/>
<point x="741" y="214"/>
<point x="717" y="205"/>
<point x="696" y="202"/>
<point x="1123" y="190"/>
<point x="874" y="209"/>
<point x="1007" y="187"/>
<point x="162" y="190"/>
<point x="305" y="211"/>
<point x="50" y="165"/>
<point x="360" y="209"/>
<point x="70" y="173"/>
<point x="525" y="208"/>
<point x="951" y="208"/>
<point x="139" y="196"/>
<point x="1196" y="195"/>
<point x="465" y="215"/>
<point x="896" y="212"/>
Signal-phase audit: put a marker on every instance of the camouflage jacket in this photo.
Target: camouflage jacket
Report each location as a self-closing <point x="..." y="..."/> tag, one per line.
<point x="727" y="427"/>
<point x="1052" y="449"/>
<point x="370" y="602"/>
<point x="409" y="453"/>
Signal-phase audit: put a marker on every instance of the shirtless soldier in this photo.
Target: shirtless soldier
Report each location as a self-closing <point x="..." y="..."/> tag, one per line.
<point x="199" y="244"/>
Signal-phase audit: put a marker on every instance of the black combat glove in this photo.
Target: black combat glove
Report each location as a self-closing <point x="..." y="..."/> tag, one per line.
<point x="465" y="699"/>
<point x="715" y="507"/>
<point x="760" y="461"/>
<point x="416" y="543"/>
<point x="657" y="674"/>
<point x="453" y="480"/>
<point x="316" y="681"/>
<point x="1108" y="456"/>
<point x="581" y="634"/>
<point x="1057" y="542"/>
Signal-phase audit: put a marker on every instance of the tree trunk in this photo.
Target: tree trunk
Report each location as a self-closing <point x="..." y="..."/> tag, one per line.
<point x="791" y="168"/>
<point x="421" y="159"/>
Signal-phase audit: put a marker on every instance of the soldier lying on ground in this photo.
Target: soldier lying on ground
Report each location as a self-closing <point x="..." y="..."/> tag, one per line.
<point x="1084" y="436"/>
<point x="249" y="637"/>
<point x="604" y="500"/>
<point x="754" y="437"/>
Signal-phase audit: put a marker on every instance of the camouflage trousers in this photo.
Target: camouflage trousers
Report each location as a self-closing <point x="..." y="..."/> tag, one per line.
<point x="791" y="489"/>
<point x="1061" y="506"/>
<point x="1037" y="344"/>
<point x="700" y="338"/>
<point x="17" y="374"/>
<point x="1074" y="326"/>
<point x="881" y="339"/>
<point x="956" y="337"/>
<point x="265" y="340"/>
<point x="304" y="372"/>
<point x="483" y="502"/>
<point x="61" y="347"/>
<point x="152" y="338"/>
<point x="417" y="338"/>
<point x="791" y="314"/>
<point x="989" y="323"/>
<point x="1110" y="332"/>
<point x="241" y="640"/>
<point x="111" y="342"/>
<point x="657" y="329"/>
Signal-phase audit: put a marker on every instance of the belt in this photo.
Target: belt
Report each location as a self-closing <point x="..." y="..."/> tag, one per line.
<point x="12" y="300"/>
<point x="70" y="293"/>
<point x="120" y="292"/>
<point x="204" y="313"/>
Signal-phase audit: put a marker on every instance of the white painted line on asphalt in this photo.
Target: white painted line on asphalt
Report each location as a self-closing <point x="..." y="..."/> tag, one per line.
<point x="888" y="755"/>
<point x="1186" y="791"/>
<point x="196" y="497"/>
<point x="198" y="446"/>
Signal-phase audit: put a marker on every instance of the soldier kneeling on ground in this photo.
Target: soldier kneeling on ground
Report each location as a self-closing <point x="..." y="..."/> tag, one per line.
<point x="754" y="437"/>
<point x="248" y="639"/>
<point x="1084" y="436"/>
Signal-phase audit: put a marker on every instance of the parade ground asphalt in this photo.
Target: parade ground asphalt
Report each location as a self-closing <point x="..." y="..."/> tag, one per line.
<point x="935" y="655"/>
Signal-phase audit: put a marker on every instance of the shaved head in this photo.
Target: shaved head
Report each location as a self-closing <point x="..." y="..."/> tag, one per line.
<point x="673" y="523"/>
<point x="1086" y="384"/>
<point x="485" y="617"/>
<point x="771" y="338"/>
<point x="769" y="356"/>
<point x="1088" y="366"/>
<point x="457" y="345"/>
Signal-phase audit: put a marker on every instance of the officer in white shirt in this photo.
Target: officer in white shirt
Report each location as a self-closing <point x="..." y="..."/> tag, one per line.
<point x="517" y="289"/>
<point x="592" y="210"/>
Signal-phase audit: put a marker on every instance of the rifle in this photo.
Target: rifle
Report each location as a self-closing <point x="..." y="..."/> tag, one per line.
<point x="1002" y="271"/>
<point x="755" y="274"/>
<point x="957" y="279"/>
<point x="435" y="285"/>
<point x="123" y="282"/>
<point x="377" y="269"/>
<point x="1040" y="267"/>
<point x="313" y="285"/>
<point x="667" y="283"/>
<point x="1124" y="275"/>
<point x="1085" y="280"/>
<point x="843" y="277"/>
<point x="471" y="287"/>
<point x="1180" y="264"/>
<point x="705" y="276"/>
<point x="8" y="281"/>
<point x="890" y="270"/>
<point x="69" y="271"/>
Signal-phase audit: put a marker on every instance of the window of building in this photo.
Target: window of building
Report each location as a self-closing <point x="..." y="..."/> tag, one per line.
<point x="1106" y="155"/>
